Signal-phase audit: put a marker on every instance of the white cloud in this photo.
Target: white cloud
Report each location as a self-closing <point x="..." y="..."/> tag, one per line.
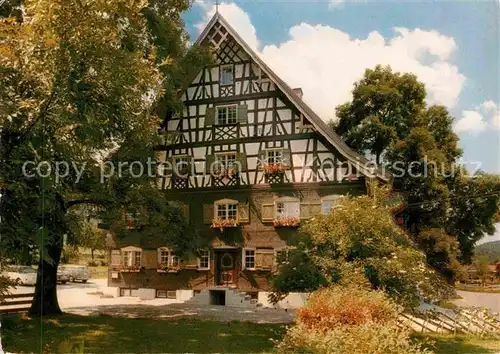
<point x="471" y="121"/>
<point x="486" y="116"/>
<point x="335" y="3"/>
<point x="326" y="61"/>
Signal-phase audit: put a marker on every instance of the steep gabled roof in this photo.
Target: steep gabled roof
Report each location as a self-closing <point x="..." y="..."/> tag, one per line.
<point x="358" y="160"/>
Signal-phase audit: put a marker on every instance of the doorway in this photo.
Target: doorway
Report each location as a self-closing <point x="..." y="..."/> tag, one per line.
<point x="225" y="267"/>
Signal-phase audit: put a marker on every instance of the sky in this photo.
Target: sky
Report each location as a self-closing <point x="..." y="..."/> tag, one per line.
<point x="325" y="46"/>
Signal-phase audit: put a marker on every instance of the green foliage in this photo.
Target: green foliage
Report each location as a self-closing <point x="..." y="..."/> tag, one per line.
<point x="348" y="319"/>
<point x="480" y="264"/>
<point x="388" y="119"/>
<point x="297" y="273"/>
<point x="359" y="242"/>
<point x="78" y="81"/>
<point x="490" y="249"/>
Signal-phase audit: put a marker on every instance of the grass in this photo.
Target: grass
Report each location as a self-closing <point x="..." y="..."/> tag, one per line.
<point x="454" y="344"/>
<point x="106" y="334"/>
<point x="99" y="272"/>
<point x="478" y="288"/>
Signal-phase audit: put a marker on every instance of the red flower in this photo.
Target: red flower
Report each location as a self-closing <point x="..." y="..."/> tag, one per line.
<point x="289" y="221"/>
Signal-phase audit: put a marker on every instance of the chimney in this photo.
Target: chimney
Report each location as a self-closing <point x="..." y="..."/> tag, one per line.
<point x="298" y="92"/>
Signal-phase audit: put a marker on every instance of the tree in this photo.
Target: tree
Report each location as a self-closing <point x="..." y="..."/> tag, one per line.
<point x="480" y="264"/>
<point x="388" y="119"/>
<point x="77" y="80"/>
<point x="382" y="111"/>
<point x="359" y="242"/>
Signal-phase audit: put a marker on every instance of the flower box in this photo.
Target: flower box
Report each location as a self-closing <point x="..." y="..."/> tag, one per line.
<point x="287" y="222"/>
<point x="275" y="169"/>
<point x="221" y="224"/>
<point x="165" y="268"/>
<point x="127" y="269"/>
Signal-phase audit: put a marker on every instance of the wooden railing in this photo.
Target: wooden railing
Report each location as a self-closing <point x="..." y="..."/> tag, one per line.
<point x="16" y="302"/>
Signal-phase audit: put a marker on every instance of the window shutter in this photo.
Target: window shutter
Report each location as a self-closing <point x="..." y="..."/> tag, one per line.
<point x="264" y="258"/>
<point x="209" y="161"/>
<point x="308" y="210"/>
<point x="267" y="211"/>
<point x="190" y="261"/>
<point x="262" y="159"/>
<point x="242" y="113"/>
<point x="186" y="211"/>
<point x="244" y="213"/>
<point x="116" y="257"/>
<point x="287" y="157"/>
<point x="150" y="258"/>
<point x="210" y="116"/>
<point x="208" y="213"/>
<point x="168" y="166"/>
<point x="242" y="159"/>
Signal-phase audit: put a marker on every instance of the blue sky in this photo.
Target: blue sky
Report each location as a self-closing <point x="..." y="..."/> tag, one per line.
<point x="324" y="47"/>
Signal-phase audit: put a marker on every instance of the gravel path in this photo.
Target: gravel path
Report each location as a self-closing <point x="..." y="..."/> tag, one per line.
<point x="488" y="300"/>
<point x="87" y="299"/>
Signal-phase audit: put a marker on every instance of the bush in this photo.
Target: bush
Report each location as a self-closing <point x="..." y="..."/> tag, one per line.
<point x="104" y="263"/>
<point x="92" y="264"/>
<point x="348" y="319"/>
<point x="338" y="306"/>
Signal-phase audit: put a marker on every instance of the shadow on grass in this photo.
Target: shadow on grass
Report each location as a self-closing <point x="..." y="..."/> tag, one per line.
<point x="453" y="344"/>
<point x="108" y="334"/>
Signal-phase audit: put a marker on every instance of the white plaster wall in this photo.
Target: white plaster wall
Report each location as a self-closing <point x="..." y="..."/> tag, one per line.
<point x="292" y="301"/>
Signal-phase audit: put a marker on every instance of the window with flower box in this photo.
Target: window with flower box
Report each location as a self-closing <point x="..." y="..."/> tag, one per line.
<point x="131" y="259"/>
<point x="225" y="214"/>
<point x="226" y="163"/>
<point x="274" y="156"/>
<point x="286" y="212"/>
<point x="167" y="260"/>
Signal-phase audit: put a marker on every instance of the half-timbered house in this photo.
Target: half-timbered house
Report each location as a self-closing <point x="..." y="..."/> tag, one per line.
<point x="250" y="162"/>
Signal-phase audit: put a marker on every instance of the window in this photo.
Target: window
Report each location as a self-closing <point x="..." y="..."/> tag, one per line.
<point x="227" y="211"/>
<point x="227" y="115"/>
<point x="258" y="259"/>
<point x="226" y="75"/>
<point x="167" y="257"/>
<point x="274" y="156"/>
<point x="287" y="209"/>
<point x="328" y="203"/>
<point x="131" y="257"/>
<point x="226" y="161"/>
<point x="161" y="294"/>
<point x="204" y="260"/>
<point x="327" y="206"/>
<point x="182" y="164"/>
<point x="249" y="258"/>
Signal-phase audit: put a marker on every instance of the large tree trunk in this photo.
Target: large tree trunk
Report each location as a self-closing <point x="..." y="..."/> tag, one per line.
<point x="45" y="302"/>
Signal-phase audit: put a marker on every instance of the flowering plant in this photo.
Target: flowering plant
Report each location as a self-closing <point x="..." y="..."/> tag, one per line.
<point x="130" y="268"/>
<point x="274" y="169"/>
<point x="164" y="267"/>
<point x="222" y="171"/>
<point x="221" y="224"/>
<point x="289" y="221"/>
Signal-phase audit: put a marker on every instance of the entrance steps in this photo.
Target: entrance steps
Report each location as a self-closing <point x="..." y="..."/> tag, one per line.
<point x="224" y="296"/>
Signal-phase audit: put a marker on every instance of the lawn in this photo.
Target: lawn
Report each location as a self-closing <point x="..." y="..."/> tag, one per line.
<point x="106" y="334"/>
<point x="454" y="344"/>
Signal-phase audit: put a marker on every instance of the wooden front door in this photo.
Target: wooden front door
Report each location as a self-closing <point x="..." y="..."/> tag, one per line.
<point x="225" y="269"/>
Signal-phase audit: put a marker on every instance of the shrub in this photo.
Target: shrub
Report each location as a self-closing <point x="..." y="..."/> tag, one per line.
<point x="348" y="319"/>
<point x="92" y="264"/>
<point x="352" y="305"/>
<point x="362" y="339"/>
<point x="104" y="263"/>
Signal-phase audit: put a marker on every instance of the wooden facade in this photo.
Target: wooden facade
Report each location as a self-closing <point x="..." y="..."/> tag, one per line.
<point x="248" y="153"/>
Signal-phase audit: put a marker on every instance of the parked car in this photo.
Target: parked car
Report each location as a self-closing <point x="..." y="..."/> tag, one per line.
<point x="62" y="277"/>
<point x="75" y="272"/>
<point x="25" y="274"/>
